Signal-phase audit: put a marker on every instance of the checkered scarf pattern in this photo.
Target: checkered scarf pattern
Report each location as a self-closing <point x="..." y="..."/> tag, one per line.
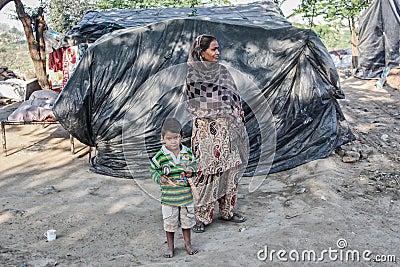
<point x="211" y="90"/>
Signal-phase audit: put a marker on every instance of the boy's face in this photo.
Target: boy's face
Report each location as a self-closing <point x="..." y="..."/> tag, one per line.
<point x="172" y="140"/>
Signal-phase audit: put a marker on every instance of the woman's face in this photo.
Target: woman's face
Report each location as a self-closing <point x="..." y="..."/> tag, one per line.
<point x="212" y="52"/>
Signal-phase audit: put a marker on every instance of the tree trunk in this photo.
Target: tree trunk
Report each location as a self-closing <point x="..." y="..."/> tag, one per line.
<point x="36" y="46"/>
<point x="354" y="44"/>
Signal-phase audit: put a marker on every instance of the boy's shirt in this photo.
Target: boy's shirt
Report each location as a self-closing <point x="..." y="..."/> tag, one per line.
<point x="181" y="194"/>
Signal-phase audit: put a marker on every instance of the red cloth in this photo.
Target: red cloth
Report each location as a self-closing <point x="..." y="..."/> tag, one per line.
<point x="69" y="62"/>
<point x="56" y="60"/>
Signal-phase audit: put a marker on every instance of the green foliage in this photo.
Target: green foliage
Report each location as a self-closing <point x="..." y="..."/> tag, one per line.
<point x="14" y="52"/>
<point x="12" y="35"/>
<point x="338" y="11"/>
<point x="63" y="15"/>
<point x="309" y="10"/>
<point x="333" y="36"/>
<point x="133" y="4"/>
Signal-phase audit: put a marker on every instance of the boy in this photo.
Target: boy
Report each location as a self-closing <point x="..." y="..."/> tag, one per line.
<point x="171" y="167"/>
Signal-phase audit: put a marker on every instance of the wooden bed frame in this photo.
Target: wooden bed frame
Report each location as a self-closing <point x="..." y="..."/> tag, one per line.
<point x="44" y="123"/>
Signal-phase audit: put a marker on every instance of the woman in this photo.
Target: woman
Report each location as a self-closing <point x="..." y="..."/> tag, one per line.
<point x="217" y="135"/>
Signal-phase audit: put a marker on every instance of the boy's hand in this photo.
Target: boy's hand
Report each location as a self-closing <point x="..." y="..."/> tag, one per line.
<point x="188" y="173"/>
<point x="165" y="180"/>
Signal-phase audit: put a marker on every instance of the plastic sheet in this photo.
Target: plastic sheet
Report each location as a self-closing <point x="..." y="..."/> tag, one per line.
<point x="379" y="39"/>
<point x="130" y="80"/>
<point x="97" y="23"/>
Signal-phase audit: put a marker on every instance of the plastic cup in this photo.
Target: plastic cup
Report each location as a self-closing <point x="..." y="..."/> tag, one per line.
<point x="51" y="235"/>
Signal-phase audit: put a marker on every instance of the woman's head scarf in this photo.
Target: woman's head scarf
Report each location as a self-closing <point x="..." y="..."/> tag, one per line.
<point x="211" y="89"/>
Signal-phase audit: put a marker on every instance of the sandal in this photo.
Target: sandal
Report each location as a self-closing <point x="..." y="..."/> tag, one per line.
<point x="240" y="219"/>
<point x="199" y="228"/>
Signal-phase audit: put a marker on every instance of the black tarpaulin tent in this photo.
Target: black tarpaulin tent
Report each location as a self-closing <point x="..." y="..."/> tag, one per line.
<point x="130" y="80"/>
<point x="97" y="23"/>
<point x="379" y="39"/>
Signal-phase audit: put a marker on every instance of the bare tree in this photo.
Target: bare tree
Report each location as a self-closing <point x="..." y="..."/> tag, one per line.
<point x="34" y="26"/>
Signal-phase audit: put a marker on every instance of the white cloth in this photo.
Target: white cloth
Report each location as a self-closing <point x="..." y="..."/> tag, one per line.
<point x="13" y="89"/>
<point x="38" y="108"/>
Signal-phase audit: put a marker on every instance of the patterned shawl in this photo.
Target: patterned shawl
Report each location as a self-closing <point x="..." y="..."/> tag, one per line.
<point x="211" y="89"/>
<point x="212" y="94"/>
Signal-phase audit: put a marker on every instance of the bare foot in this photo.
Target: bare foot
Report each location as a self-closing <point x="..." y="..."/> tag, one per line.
<point x="190" y="250"/>
<point x="236" y="218"/>
<point x="169" y="253"/>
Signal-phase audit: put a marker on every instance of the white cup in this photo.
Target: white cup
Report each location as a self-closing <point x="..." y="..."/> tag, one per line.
<point x="51" y="235"/>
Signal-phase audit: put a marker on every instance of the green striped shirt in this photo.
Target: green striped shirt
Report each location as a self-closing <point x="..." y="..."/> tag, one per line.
<point x="181" y="194"/>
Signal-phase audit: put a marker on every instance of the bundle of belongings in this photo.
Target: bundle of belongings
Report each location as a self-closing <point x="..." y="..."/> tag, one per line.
<point x="39" y="107"/>
<point x="13" y="89"/>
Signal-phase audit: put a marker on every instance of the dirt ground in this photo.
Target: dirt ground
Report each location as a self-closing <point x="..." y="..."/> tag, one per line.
<point x="337" y="210"/>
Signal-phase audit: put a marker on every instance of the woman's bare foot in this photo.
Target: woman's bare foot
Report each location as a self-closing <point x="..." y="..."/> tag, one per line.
<point x="199" y="227"/>
<point x="169" y="253"/>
